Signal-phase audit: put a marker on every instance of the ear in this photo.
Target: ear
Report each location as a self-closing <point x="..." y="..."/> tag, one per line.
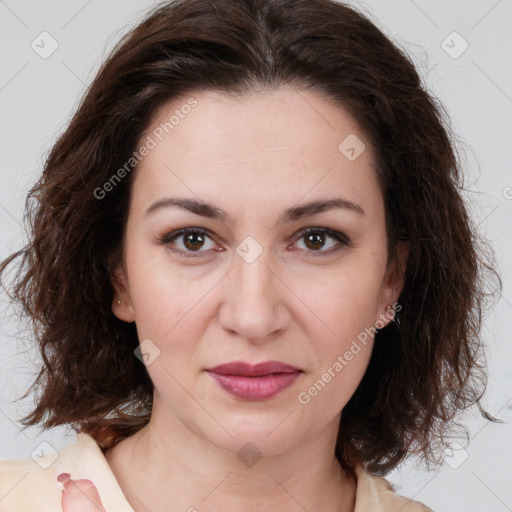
<point x="122" y="305"/>
<point x="393" y="282"/>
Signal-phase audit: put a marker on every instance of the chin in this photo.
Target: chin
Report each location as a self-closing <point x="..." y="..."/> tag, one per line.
<point x="261" y="437"/>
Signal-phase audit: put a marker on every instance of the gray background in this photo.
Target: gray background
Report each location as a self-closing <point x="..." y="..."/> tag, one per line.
<point x="38" y="96"/>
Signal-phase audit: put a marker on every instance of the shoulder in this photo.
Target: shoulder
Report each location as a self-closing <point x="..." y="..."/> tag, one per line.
<point x="34" y="484"/>
<point x="378" y="495"/>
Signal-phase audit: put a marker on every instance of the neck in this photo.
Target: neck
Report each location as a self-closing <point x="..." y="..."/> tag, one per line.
<point x="167" y="463"/>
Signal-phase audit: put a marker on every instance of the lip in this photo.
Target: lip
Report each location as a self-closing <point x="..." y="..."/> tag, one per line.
<point x="242" y="368"/>
<point x="255" y="382"/>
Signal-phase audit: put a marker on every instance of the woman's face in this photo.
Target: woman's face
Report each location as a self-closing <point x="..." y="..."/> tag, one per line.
<point x="251" y="285"/>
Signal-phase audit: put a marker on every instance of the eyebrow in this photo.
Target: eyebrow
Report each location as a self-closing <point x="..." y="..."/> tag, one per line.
<point x="291" y="214"/>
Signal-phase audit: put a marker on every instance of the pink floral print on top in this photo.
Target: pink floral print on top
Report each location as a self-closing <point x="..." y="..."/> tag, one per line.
<point x="79" y="495"/>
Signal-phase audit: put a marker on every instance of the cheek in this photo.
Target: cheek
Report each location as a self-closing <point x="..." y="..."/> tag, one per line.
<point x="343" y="301"/>
<point x="163" y="294"/>
<point x="348" y="371"/>
<point x="325" y="394"/>
<point x="342" y="331"/>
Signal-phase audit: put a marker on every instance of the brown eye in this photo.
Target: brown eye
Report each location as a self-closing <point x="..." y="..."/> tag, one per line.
<point x="315" y="241"/>
<point x="317" y="238"/>
<point x="193" y="241"/>
<point x="188" y="241"/>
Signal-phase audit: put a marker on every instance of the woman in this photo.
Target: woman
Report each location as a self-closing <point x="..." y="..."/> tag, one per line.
<point x="252" y="276"/>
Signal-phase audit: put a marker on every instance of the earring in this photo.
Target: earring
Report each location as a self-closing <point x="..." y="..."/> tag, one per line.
<point x="395" y="320"/>
<point x="119" y="302"/>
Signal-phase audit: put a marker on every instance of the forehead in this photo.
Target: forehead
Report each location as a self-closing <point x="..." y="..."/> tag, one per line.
<point x="278" y="145"/>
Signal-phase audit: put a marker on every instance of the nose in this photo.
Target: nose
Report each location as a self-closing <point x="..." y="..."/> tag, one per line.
<point x="255" y="299"/>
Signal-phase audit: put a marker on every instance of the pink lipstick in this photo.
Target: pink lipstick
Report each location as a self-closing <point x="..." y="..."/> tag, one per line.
<point x="258" y="382"/>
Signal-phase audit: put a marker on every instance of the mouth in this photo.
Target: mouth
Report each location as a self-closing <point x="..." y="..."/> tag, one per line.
<point x="255" y="382"/>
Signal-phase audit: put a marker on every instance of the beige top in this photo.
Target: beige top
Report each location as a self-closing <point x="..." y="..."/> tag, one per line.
<point x="90" y="484"/>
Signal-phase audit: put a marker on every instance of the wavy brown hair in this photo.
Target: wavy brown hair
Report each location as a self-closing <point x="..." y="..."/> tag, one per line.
<point x="422" y="373"/>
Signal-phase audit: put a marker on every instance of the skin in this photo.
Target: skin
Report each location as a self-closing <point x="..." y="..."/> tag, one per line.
<point x="300" y="303"/>
<point x="79" y="495"/>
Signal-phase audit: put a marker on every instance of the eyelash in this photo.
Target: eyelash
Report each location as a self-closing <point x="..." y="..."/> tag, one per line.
<point x="340" y="237"/>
